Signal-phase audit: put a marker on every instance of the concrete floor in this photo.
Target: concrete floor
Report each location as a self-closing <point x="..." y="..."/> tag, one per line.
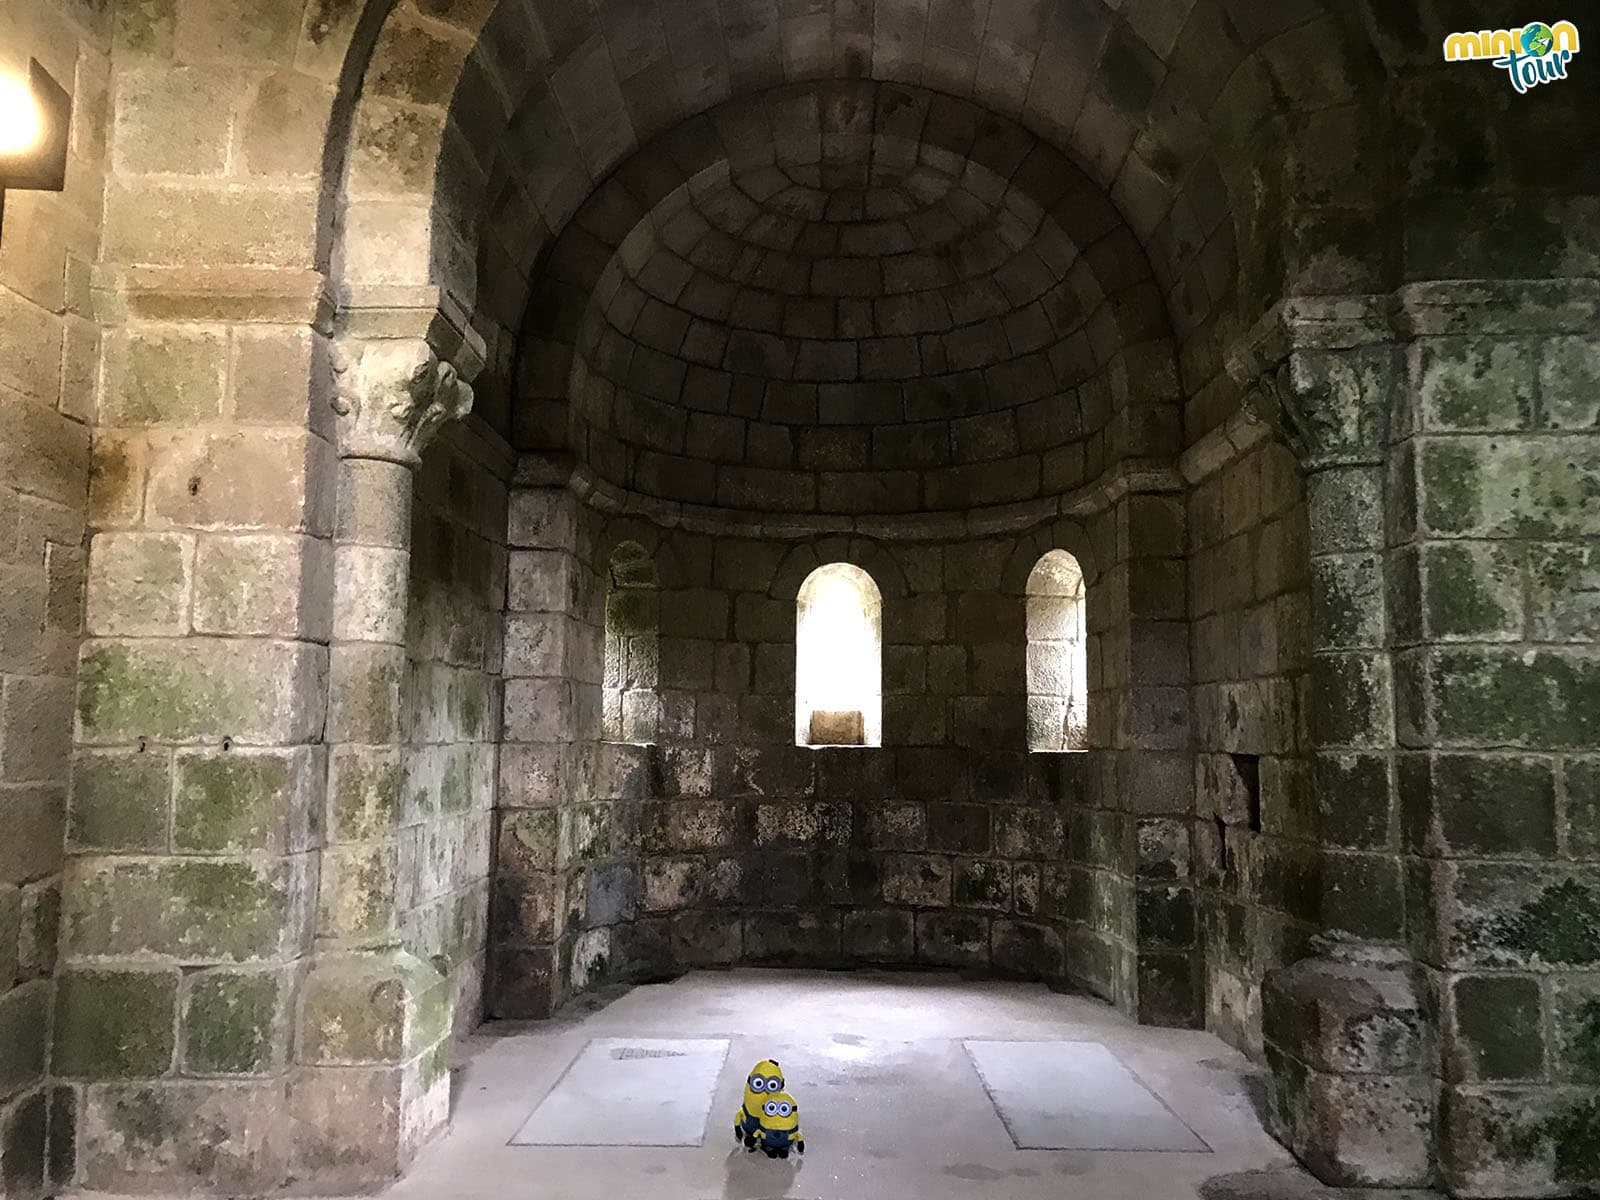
<point x="893" y="1108"/>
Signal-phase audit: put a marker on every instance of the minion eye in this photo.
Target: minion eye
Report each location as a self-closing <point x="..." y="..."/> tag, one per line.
<point x="757" y="1084"/>
<point x="784" y="1110"/>
<point x="770" y="1108"/>
<point x="774" y="1085"/>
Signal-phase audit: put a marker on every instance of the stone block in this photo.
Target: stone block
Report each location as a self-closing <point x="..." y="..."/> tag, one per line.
<point x="359" y="890"/>
<point x="119" y="801"/>
<point x="1470" y="384"/>
<point x="35" y="729"/>
<point x="241" y="480"/>
<point x="163" y="376"/>
<point x="1498" y="1140"/>
<point x="32" y="816"/>
<point x="1028" y="950"/>
<point x="793" y="938"/>
<point x="1514" y="915"/>
<point x="23" y="1140"/>
<point x="178" y="224"/>
<point x="235" y="1022"/>
<point x="1542" y="699"/>
<point x="265" y="587"/>
<point x="981" y="883"/>
<point x="235" y="802"/>
<point x="255" y="692"/>
<point x="1352" y="1131"/>
<point x="1497" y="1027"/>
<point x="139" y="584"/>
<point x="371" y="1008"/>
<point x="112" y="1024"/>
<point x="1472" y="592"/>
<point x="951" y="939"/>
<point x="364" y="693"/>
<point x="154" y="1137"/>
<point x="1346" y="1017"/>
<point x="185" y="910"/>
<point x="38" y="929"/>
<point x="24" y="1017"/>
<point x="879" y="935"/>
<point x="707" y="938"/>
<point x="1526" y="486"/>
<point x="917" y="881"/>
<point x="1576" y="1028"/>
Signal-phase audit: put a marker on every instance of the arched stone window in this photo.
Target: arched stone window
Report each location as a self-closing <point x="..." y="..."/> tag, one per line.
<point x="838" y="668"/>
<point x="1058" y="658"/>
<point x="632" y="710"/>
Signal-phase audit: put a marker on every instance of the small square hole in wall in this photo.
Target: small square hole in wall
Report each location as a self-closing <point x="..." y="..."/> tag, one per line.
<point x="1248" y="768"/>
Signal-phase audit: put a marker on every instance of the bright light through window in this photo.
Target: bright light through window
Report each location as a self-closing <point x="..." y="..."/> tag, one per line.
<point x="1058" y="659"/>
<point x="839" y="659"/>
<point x="21" y="120"/>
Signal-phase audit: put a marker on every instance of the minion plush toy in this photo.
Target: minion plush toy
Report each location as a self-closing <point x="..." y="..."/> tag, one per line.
<point x="765" y="1080"/>
<point x="780" y="1126"/>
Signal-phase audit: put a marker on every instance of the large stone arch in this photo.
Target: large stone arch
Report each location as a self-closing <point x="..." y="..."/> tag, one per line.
<point x="479" y="133"/>
<point x="402" y="174"/>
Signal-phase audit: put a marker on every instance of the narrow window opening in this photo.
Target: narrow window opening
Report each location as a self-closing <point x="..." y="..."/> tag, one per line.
<point x="1248" y="769"/>
<point x="838" y="666"/>
<point x="1058" y="657"/>
<point x="632" y="704"/>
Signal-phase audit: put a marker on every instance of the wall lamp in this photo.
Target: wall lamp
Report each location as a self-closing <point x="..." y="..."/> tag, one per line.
<point x="35" y="121"/>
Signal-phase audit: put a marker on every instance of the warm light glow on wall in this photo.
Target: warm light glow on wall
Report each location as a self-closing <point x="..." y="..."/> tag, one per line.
<point x="839" y="650"/>
<point x="22" y="120"/>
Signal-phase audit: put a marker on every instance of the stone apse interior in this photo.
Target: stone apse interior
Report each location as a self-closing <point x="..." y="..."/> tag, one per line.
<point x="504" y="499"/>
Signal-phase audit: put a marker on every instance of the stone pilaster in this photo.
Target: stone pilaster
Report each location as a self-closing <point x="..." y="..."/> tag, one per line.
<point x="1493" y="527"/>
<point x="375" y="1022"/>
<point x="197" y="773"/>
<point x="1344" y="1030"/>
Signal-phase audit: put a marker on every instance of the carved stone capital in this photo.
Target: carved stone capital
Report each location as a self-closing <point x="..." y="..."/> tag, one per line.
<point x="392" y="397"/>
<point x="1323" y="374"/>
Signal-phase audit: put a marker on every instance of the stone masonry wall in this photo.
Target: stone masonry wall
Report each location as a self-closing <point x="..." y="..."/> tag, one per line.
<point x="48" y="352"/>
<point x="949" y="846"/>
<point x="1493" y="577"/>
<point x="1256" y="845"/>
<point x="451" y="699"/>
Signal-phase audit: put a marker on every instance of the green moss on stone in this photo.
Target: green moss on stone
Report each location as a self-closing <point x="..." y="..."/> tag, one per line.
<point x="366" y="797"/>
<point x="119" y="802"/>
<point x="1451" y="492"/>
<point x="114" y="1024"/>
<point x="1562" y="925"/>
<point x="1471" y="593"/>
<point x="1583" y="1038"/>
<point x="146" y="26"/>
<point x="455" y="787"/>
<point x="230" y="802"/>
<point x="230" y="1021"/>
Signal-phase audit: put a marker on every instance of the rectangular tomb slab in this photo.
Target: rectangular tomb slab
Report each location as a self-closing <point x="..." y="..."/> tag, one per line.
<point x="630" y="1092"/>
<point x="1075" y="1096"/>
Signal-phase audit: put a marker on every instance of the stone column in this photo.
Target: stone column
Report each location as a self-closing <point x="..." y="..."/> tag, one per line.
<point x="1345" y="1033"/>
<point x="374" y="1035"/>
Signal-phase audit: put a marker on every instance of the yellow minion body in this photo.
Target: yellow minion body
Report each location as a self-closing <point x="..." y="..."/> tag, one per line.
<point x="765" y="1080"/>
<point x="780" y="1126"/>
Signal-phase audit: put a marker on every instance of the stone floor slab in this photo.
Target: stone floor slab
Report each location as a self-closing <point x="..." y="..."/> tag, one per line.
<point x="1075" y="1096"/>
<point x="630" y="1092"/>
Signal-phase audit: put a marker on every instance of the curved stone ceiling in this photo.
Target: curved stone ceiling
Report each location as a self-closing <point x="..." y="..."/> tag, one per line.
<point x="845" y="298"/>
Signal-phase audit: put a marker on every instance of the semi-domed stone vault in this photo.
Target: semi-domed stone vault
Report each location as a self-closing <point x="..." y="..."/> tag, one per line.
<point x="431" y="430"/>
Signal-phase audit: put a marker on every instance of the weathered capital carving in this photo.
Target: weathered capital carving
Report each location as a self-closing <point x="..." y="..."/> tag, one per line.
<point x="1323" y="374"/>
<point x="392" y="397"/>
